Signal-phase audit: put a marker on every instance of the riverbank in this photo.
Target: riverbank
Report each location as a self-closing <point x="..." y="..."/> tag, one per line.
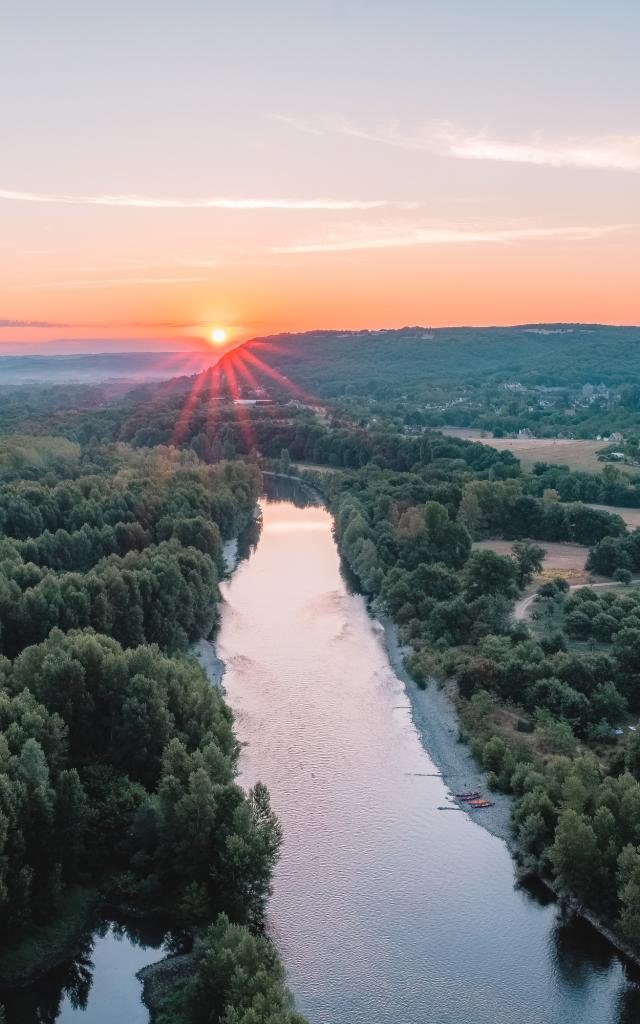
<point x="436" y="719"/>
<point x="204" y="651"/>
<point x="162" y="984"/>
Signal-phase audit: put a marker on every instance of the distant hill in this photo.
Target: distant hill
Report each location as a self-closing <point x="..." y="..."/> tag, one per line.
<point x="101" y="367"/>
<point x="410" y="360"/>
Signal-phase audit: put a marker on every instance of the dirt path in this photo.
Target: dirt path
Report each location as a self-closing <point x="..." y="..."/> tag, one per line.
<point x="521" y="609"/>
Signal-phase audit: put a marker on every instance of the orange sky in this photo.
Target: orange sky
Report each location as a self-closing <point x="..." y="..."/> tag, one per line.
<point x="293" y="170"/>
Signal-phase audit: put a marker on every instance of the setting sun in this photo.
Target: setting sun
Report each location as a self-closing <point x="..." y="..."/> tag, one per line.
<point x="218" y="335"/>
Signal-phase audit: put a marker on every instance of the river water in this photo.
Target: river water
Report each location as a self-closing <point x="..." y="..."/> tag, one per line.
<point x="386" y="910"/>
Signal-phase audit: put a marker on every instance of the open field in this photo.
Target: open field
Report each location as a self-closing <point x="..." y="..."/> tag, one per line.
<point x="631" y="516"/>
<point x="314" y="467"/>
<point x="566" y="560"/>
<point x="579" y="455"/>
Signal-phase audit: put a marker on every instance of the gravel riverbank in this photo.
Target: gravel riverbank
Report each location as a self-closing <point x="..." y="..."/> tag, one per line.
<point x="160" y="978"/>
<point x="205" y="652"/>
<point x="436" y="719"/>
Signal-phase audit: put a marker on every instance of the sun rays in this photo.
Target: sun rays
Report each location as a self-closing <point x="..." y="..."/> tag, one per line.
<point x="239" y="379"/>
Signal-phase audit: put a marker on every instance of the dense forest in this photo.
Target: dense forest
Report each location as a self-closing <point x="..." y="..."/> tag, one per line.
<point x="567" y="380"/>
<point x="111" y="543"/>
<point x="117" y="756"/>
<point x="327" y="362"/>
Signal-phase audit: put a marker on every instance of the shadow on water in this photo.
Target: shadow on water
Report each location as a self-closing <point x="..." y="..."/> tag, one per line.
<point x="281" y="489"/>
<point x="278" y="490"/>
<point x="98" y="982"/>
<point x="248" y="540"/>
<point x="288" y="489"/>
<point x="579" y="951"/>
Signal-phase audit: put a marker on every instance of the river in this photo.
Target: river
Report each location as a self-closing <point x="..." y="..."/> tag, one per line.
<point x="386" y="910"/>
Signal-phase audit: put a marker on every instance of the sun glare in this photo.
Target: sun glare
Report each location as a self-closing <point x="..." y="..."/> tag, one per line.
<point x="218" y="335"/>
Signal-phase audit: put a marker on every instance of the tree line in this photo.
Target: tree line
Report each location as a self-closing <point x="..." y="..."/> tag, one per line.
<point x="117" y="756"/>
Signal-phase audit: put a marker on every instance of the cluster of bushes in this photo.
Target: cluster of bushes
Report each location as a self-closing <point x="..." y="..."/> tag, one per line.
<point x="507" y="509"/>
<point x="610" y="487"/>
<point x="582" y="828"/>
<point x="615" y="554"/>
<point x="237" y="978"/>
<point x="605" y="617"/>
<point x="587" y="692"/>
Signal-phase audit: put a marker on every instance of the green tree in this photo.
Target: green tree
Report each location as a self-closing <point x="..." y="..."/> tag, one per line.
<point x="575" y="854"/>
<point x="528" y="558"/>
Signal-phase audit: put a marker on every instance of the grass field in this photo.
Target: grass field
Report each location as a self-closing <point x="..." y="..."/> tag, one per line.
<point x="579" y="455"/>
<point x="566" y="560"/>
<point x="631" y="516"/>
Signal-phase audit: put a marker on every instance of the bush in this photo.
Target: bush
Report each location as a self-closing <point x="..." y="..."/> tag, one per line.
<point x="623" y="576"/>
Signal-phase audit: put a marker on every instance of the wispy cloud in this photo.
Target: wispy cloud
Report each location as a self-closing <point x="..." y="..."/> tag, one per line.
<point x="604" y="152"/>
<point x="204" y="203"/>
<point x="31" y="323"/>
<point x="394" y="236"/>
<point x="615" y="151"/>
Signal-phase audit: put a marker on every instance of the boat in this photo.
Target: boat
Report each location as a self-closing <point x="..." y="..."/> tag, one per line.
<point x="479" y="804"/>
<point x="467" y="796"/>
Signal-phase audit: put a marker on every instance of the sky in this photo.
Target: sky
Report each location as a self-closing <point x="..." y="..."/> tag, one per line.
<point x="167" y="168"/>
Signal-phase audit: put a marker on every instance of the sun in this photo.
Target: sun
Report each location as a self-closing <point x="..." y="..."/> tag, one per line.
<point x="218" y="335"/>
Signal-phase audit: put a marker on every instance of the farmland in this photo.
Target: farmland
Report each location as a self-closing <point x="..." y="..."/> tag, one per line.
<point x="566" y="560"/>
<point x="578" y="455"/>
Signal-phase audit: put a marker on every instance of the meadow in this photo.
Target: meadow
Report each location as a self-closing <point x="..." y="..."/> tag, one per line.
<point x="566" y="560"/>
<point x="580" y="456"/>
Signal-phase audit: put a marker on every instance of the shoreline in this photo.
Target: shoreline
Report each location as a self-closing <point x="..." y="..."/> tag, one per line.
<point x="160" y="978"/>
<point x="435" y="717"/>
<point x="204" y="651"/>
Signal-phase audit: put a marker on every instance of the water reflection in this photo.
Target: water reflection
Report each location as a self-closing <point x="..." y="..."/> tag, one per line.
<point x="287" y="490"/>
<point x="98" y="984"/>
<point x="582" y="955"/>
<point x="386" y="911"/>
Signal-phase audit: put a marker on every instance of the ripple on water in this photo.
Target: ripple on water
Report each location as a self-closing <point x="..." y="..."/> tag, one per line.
<point x="386" y="910"/>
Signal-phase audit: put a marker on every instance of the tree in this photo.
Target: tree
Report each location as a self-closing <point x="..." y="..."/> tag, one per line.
<point x="529" y="559"/>
<point x="238" y="979"/>
<point x="71" y="820"/>
<point x="489" y="573"/>
<point x="575" y="855"/>
<point x="623" y="576"/>
<point x="469" y="511"/>
<point x="629" y="892"/>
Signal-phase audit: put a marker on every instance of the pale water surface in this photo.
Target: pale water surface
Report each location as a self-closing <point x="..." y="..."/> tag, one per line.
<point x="387" y="911"/>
